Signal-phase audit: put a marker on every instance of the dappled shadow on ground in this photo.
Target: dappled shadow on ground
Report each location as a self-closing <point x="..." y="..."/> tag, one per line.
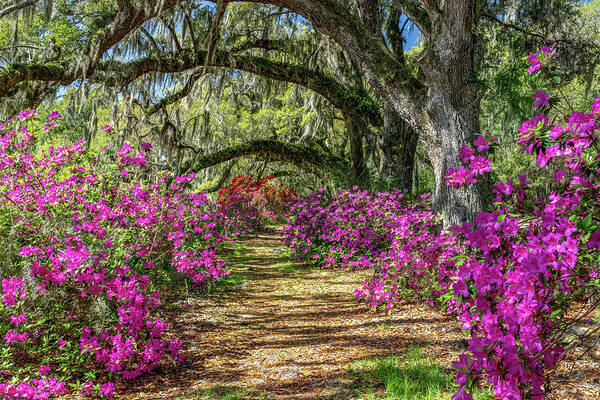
<point x="287" y="333"/>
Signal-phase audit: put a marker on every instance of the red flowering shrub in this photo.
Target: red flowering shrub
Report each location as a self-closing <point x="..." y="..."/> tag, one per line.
<point x="256" y="199"/>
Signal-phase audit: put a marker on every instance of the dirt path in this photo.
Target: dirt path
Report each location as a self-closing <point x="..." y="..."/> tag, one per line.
<point x="287" y="333"/>
<point x="282" y="331"/>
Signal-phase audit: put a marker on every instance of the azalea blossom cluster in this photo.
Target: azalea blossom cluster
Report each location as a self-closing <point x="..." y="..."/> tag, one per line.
<point x="539" y="59"/>
<point x="521" y="272"/>
<point x="512" y="275"/>
<point x="353" y="229"/>
<point x="409" y="266"/>
<point x="475" y="159"/>
<point x="80" y="235"/>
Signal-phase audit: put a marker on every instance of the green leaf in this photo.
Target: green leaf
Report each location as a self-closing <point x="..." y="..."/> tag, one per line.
<point x="556" y="314"/>
<point x="587" y="222"/>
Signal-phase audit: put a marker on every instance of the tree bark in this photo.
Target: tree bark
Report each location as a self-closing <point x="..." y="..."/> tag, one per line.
<point x="368" y="12"/>
<point x="452" y="106"/>
<point x="358" y="166"/>
<point x="398" y="141"/>
<point x="398" y="144"/>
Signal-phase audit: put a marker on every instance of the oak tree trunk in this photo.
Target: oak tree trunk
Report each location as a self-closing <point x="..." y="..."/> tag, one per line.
<point x="452" y="106"/>
<point x="398" y="145"/>
<point x="358" y="167"/>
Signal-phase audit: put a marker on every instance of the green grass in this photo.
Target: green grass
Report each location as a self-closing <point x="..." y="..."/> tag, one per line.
<point x="286" y="264"/>
<point x="237" y="252"/>
<point x="234" y="278"/>
<point x="291" y="267"/>
<point x="287" y="268"/>
<point x="226" y="393"/>
<point x="413" y="377"/>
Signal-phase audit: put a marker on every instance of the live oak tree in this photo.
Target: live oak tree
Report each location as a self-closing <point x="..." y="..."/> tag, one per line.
<point x="443" y="107"/>
<point x="379" y="92"/>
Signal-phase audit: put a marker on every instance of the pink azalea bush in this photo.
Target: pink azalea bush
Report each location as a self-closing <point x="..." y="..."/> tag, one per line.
<point x="88" y="253"/>
<point x="355" y="228"/>
<point x="511" y="276"/>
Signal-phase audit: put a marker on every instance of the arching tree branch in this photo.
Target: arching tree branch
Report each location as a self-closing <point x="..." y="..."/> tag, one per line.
<point x="513" y="26"/>
<point x="356" y="105"/>
<point x="310" y="159"/>
<point x="125" y="21"/>
<point x="333" y="19"/>
<point x="168" y="24"/>
<point x="150" y="39"/>
<point x="395" y="34"/>
<point x="264" y="44"/>
<point x="416" y="13"/>
<point x="381" y="69"/>
<point x="17" y="6"/>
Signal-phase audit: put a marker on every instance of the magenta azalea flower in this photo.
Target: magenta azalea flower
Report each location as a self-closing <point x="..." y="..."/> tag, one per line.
<point x="539" y="58"/>
<point x="44" y="370"/>
<point x="87" y="387"/>
<point x="53" y="115"/>
<point x="559" y="175"/>
<point x="542" y="99"/>
<point x="480" y="165"/>
<point x="461" y="177"/>
<point x="26" y="114"/>
<point x="18" y="320"/>
<point x="16" y="337"/>
<point x="107" y="390"/>
<point x="534" y="63"/>
<point x="481" y="144"/>
<point x="465" y="153"/>
<point x="594" y="241"/>
<point x="502" y="188"/>
<point x="462" y="395"/>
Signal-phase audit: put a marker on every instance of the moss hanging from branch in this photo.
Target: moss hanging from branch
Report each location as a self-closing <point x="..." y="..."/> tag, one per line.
<point x="355" y="104"/>
<point x="315" y="161"/>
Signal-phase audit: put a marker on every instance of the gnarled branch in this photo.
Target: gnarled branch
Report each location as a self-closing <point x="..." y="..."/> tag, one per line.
<point x="17" y="6"/>
<point x="354" y="104"/>
<point x="309" y="159"/>
<point x="124" y="22"/>
<point x="417" y="14"/>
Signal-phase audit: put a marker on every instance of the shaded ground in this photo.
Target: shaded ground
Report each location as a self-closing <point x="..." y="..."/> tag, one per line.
<point x="280" y="331"/>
